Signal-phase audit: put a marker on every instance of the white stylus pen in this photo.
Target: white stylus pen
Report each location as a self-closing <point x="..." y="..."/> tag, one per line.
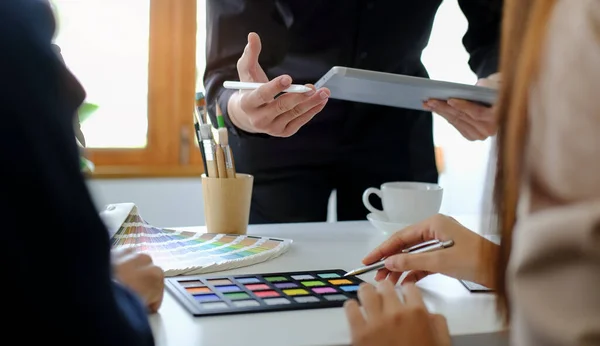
<point x="294" y="88"/>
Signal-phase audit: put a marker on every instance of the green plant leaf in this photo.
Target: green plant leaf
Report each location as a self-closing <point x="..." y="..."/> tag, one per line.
<point x="86" y="110"/>
<point x="86" y="165"/>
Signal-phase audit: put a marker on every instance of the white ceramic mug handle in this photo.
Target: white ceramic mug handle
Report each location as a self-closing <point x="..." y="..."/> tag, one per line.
<point x="365" y="198"/>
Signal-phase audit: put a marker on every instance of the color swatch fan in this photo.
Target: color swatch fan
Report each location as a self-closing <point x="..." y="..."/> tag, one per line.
<point x="185" y="252"/>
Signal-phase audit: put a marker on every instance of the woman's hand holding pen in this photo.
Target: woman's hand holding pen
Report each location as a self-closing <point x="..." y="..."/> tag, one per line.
<point x="462" y="261"/>
<point x="259" y="111"/>
<point x="389" y="321"/>
<point x="472" y="120"/>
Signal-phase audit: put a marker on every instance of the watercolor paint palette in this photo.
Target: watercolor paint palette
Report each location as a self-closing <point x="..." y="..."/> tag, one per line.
<point x="251" y="293"/>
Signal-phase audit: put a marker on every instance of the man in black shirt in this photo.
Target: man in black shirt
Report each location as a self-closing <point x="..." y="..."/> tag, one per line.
<point x="301" y="147"/>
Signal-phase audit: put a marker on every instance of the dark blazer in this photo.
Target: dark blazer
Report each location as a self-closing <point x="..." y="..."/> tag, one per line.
<point x="56" y="254"/>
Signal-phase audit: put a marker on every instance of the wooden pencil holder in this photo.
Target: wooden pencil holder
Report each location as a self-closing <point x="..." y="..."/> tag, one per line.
<point x="227" y="203"/>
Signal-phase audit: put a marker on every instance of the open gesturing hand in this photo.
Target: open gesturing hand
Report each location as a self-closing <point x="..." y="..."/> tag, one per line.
<point x="259" y="110"/>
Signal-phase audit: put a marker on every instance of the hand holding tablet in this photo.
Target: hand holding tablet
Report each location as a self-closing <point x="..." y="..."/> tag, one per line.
<point x="473" y="120"/>
<point x="467" y="107"/>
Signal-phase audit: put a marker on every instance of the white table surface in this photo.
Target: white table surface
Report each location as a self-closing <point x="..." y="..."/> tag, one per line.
<point x="339" y="245"/>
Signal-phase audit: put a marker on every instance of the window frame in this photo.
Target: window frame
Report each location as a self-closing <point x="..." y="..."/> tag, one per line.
<point x="171" y="148"/>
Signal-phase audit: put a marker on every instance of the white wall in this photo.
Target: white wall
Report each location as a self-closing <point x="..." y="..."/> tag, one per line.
<point x="466" y="162"/>
<point x="163" y="202"/>
<point x="172" y="202"/>
<point x="178" y="202"/>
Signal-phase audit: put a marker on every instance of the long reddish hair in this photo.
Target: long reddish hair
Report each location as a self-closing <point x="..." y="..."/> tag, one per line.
<point x="523" y="33"/>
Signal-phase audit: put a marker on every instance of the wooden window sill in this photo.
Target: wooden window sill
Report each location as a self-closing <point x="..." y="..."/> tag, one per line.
<point x="132" y="172"/>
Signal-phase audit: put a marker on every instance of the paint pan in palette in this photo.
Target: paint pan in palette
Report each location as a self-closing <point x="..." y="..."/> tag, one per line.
<point x="204" y="295"/>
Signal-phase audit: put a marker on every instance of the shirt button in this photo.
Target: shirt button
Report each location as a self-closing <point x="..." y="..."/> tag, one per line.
<point x="363" y="55"/>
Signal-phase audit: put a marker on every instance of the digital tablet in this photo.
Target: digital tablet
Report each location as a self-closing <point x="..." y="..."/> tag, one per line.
<point x="474" y="287"/>
<point x="397" y="90"/>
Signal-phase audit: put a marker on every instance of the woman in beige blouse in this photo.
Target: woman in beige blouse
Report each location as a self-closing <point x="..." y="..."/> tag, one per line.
<point x="547" y="196"/>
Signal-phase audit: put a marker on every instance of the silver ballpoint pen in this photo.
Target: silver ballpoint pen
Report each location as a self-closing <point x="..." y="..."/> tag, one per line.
<point x="427" y="246"/>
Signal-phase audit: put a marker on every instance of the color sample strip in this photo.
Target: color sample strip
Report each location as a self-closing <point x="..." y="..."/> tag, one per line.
<point x="322" y="290"/>
<point x="257" y="287"/>
<point x="266" y="294"/>
<point x="302" y="277"/>
<point x="352" y="288"/>
<point x="334" y="297"/>
<point x="313" y="283"/>
<point x="198" y="290"/>
<point x="206" y="297"/>
<point x="341" y="282"/>
<point x="286" y="285"/>
<point x="275" y="278"/>
<point x="215" y="305"/>
<point x="276" y="301"/>
<point x="237" y="295"/>
<point x="192" y="283"/>
<point x="296" y="292"/>
<point x="230" y="288"/>
<point x="306" y="299"/>
<point x="245" y="303"/>
<point x="247" y="280"/>
<point x="329" y="275"/>
<point x="220" y="282"/>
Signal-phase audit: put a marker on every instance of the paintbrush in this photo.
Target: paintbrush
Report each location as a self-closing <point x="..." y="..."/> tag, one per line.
<point x="224" y="143"/>
<point x="221" y="166"/>
<point x="210" y="150"/>
<point x="199" y="139"/>
<point x="201" y="107"/>
<point x="223" y="138"/>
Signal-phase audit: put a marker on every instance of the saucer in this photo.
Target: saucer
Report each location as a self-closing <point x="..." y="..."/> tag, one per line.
<point x="383" y="224"/>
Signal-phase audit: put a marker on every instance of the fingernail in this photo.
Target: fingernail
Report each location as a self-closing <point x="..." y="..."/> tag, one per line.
<point x="453" y="102"/>
<point x="285" y="81"/>
<point x="388" y="263"/>
<point x="323" y="95"/>
<point x="431" y="104"/>
<point x="309" y="93"/>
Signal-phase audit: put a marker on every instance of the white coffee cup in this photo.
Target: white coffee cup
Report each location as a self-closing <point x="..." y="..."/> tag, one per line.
<point x="406" y="202"/>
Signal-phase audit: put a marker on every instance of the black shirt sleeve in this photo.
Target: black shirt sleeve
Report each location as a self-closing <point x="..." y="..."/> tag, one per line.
<point x="57" y="252"/>
<point x="228" y="23"/>
<point x="482" y="39"/>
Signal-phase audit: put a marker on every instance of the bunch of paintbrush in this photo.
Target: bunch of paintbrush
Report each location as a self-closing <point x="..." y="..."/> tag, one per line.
<point x="216" y="155"/>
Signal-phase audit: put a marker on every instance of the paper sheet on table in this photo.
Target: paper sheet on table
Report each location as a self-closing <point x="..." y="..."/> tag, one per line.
<point x="185" y="252"/>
